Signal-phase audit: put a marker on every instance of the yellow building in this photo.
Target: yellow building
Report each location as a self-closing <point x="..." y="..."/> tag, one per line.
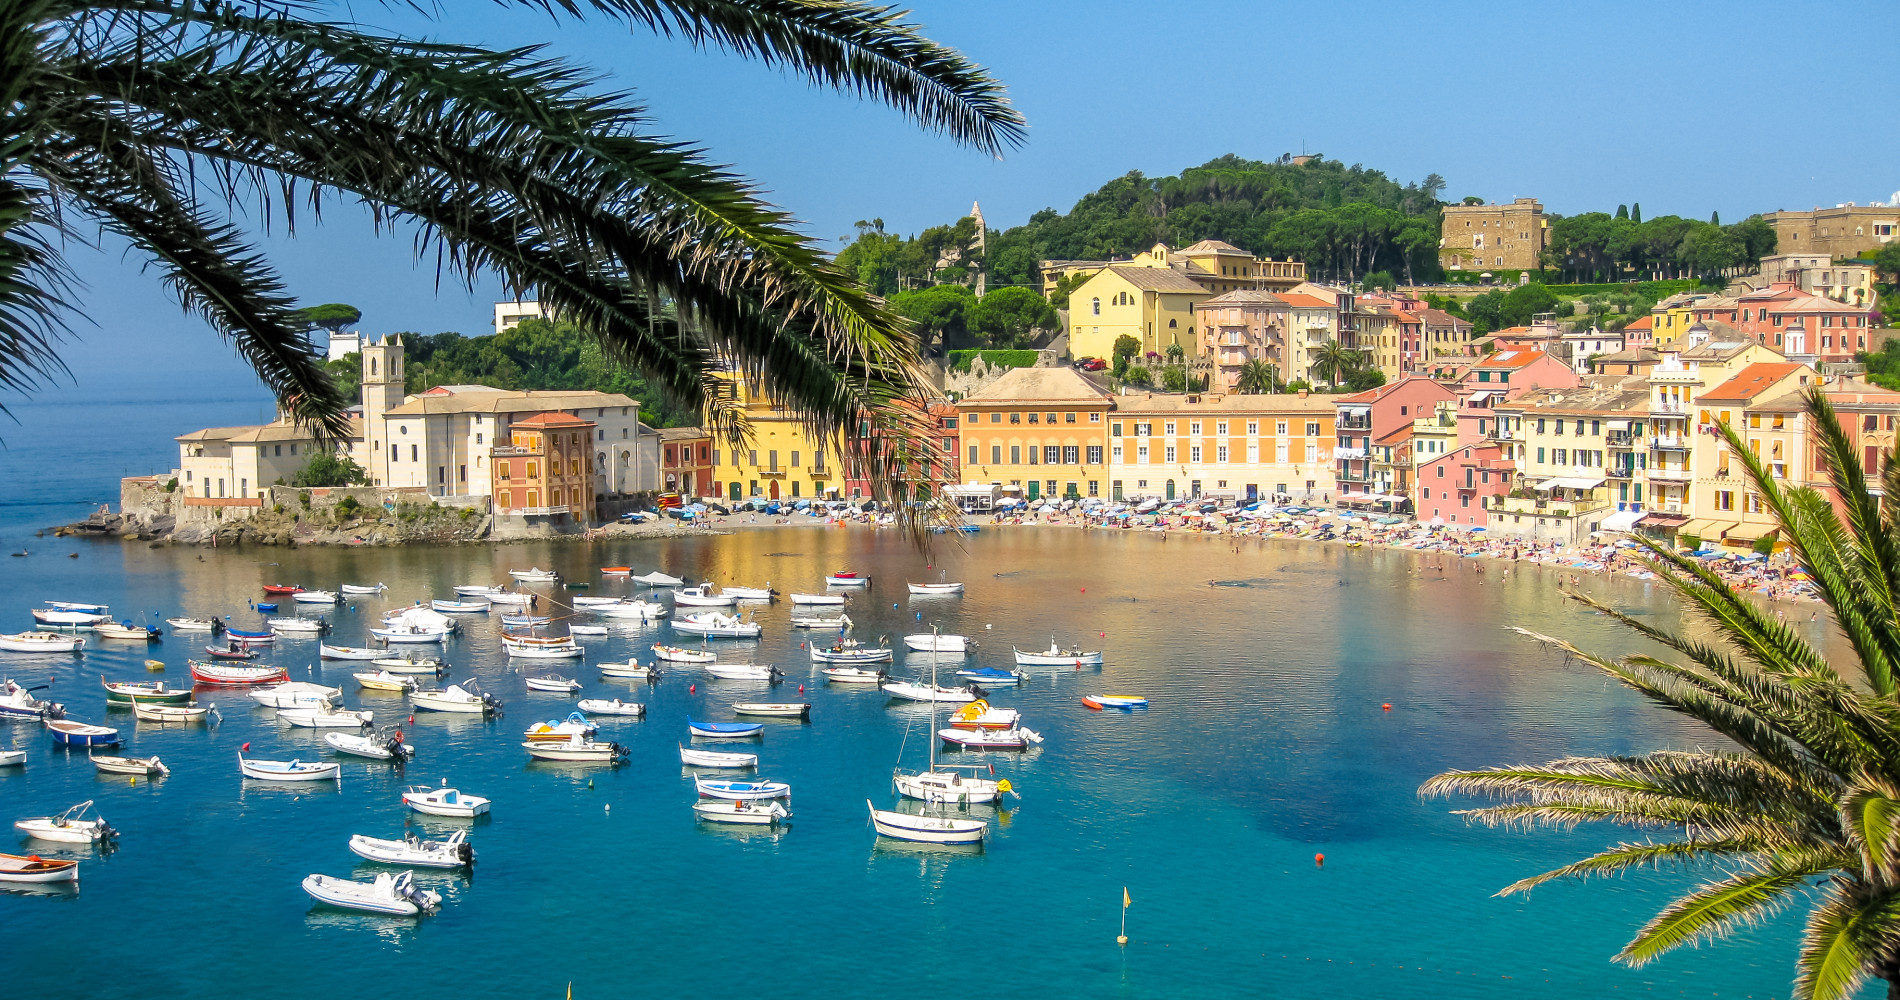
<point x="1722" y="493"/>
<point x="1242" y="447"/>
<point x="1154" y="305"/>
<point x="779" y="460"/>
<point x="1042" y="430"/>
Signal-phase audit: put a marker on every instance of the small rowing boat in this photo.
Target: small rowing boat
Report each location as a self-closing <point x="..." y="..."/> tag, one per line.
<point x="847" y="580"/>
<point x="235" y="676"/>
<point x="675" y="654"/>
<point x="171" y="713"/>
<point x="717" y="758"/>
<point x="775" y="709"/>
<point x="156" y="693"/>
<point x="288" y="770"/>
<point x="818" y="600"/>
<point x="742" y="811"/>
<point x="329" y="652"/>
<point x="150" y="767"/>
<point x="1056" y="656"/>
<point x="725" y="730"/>
<point x="78" y="734"/>
<point x="355" y="589"/>
<point x="723" y="788"/>
<point x="444" y="801"/>
<point x="615" y="707"/>
<point x="935" y="589"/>
<point x="1124" y="702"/>
<point x="854" y="675"/>
<point x="553" y="683"/>
<point x="33" y="868"/>
<point x="231" y="654"/>
<point x="849" y="651"/>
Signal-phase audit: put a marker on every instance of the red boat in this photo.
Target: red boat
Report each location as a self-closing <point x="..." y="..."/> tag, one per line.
<point x="282" y="588"/>
<point x="616" y="570"/>
<point x="231" y="654"/>
<point x="217" y="673"/>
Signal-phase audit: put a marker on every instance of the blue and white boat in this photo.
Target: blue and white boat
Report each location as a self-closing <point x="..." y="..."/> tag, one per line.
<point x="288" y="770"/>
<point x="516" y="621"/>
<point x="79" y="734"/>
<point x="993" y="677"/>
<point x="460" y="607"/>
<point x="250" y="638"/>
<point x="725" y="730"/>
<point x="17" y="702"/>
<point x="726" y="788"/>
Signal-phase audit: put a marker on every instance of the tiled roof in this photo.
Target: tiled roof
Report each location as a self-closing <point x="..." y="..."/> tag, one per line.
<point x="1645" y="323"/>
<point x="1040" y="385"/>
<point x="1213" y="246"/>
<point x="1155" y="279"/>
<point x="1226" y="404"/>
<point x="551" y="419"/>
<point x="1307" y="301"/>
<point x="1242" y="297"/>
<point x="1511" y="359"/>
<point x="1751" y="381"/>
<point x="506" y="401"/>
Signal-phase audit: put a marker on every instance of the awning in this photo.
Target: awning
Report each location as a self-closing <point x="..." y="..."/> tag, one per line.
<point x="1660" y="520"/>
<point x="1618" y="425"/>
<point x="1570" y="483"/>
<point x="1355" y="407"/>
<point x="1750" y="532"/>
<point x="1707" y="528"/>
<point x="1483" y="394"/>
<point x="1622" y="520"/>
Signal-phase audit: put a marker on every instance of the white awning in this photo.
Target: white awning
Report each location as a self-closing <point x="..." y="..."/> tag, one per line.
<point x="1618" y="425"/>
<point x="1570" y="483"/>
<point x="1350" y="454"/>
<point x="1483" y="394"/>
<point x="1622" y="520"/>
<point x="1355" y="407"/>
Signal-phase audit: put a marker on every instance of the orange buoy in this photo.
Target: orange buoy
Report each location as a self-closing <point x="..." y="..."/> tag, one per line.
<point x="1386" y="707"/>
<point x="801" y="689"/>
<point x="1319" y="860"/>
<point x="692" y="689"/>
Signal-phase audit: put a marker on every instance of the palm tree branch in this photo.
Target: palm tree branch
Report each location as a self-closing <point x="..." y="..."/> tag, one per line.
<point x="1717" y="908"/>
<point x="1626" y="856"/>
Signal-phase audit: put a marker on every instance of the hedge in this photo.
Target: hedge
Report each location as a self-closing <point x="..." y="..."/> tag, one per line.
<point x="961" y="360"/>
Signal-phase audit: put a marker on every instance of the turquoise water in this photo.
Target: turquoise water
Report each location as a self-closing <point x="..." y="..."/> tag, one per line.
<point x="1266" y="744"/>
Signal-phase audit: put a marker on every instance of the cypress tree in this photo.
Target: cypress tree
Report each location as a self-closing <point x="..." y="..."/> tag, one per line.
<point x="1636" y="211"/>
<point x="1622" y="211"/>
<point x="1715" y="218"/>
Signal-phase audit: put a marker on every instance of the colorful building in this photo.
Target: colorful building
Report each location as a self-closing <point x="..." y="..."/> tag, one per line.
<point x="1721" y="493"/>
<point x="545" y="469"/>
<point x="1459" y="487"/>
<point x="1232" y="446"/>
<point x="1043" y="431"/>
<point x="686" y="461"/>
<point x="780" y="458"/>
<point x="1363" y="419"/>
<point x="1154" y="305"/>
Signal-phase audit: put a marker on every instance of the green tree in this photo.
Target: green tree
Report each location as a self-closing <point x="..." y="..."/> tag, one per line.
<point x="1886" y="260"/>
<point x="327" y="468"/>
<point x="1381" y="280"/>
<point x="1138" y="375"/>
<point x="1010" y="317"/>
<point x="1622" y="211"/>
<point x="1335" y="362"/>
<point x="507" y="162"/>
<point x="1256" y="377"/>
<point x="1803" y="797"/>
<point x="1636" y="211"/>
<point x="332" y="317"/>
<point x="1059" y="298"/>
<point x="1126" y="347"/>
<point x="1365" y="378"/>
<point x="939" y="314"/>
<point x="347" y="373"/>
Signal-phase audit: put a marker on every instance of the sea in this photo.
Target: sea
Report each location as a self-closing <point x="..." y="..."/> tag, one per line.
<point x="1299" y="694"/>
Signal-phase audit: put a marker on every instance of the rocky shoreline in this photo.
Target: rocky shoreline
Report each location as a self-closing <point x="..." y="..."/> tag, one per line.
<point x="404" y="524"/>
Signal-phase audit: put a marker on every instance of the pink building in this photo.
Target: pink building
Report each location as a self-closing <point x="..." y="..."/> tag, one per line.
<point x="1364" y="417"/>
<point x="1456" y="489"/>
<point x="1640" y="333"/>
<point x="1241" y="326"/>
<point x="1792" y="321"/>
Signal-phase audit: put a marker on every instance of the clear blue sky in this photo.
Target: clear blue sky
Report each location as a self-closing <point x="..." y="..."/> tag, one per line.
<point x="1687" y="108"/>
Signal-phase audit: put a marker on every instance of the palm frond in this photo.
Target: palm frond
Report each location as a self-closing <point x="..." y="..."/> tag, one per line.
<point x="1719" y="907"/>
<point x="1625" y="857"/>
<point x="1849" y="935"/>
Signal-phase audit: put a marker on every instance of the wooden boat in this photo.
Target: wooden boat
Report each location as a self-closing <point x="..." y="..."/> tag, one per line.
<point x="156" y="693"/>
<point x="847" y="580"/>
<point x="716" y="758"/>
<point x="480" y="590"/>
<point x="315" y="597"/>
<point x="703" y="597"/>
<point x="17" y="702"/>
<point x="377" y="746"/>
<point x="295" y="694"/>
<point x="723" y="788"/>
<point x="559" y="730"/>
<point x="231" y="654"/>
<point x="383" y="680"/>
<point x="935" y="589"/>
<point x="912" y="691"/>
<point x="675" y="654"/>
<point x="512" y="599"/>
<point x="297" y="627"/>
<point x="281" y="588"/>
<point x="742" y="811"/>
<point x="714" y="625"/>
<point x="1014" y="738"/>
<point x="980" y="714"/>
<point x="631" y="668"/>
<point x="818" y="600"/>
<point x="193" y="624"/>
<point x="535" y="575"/>
<point x="150" y="767"/>
<point x="616" y="571"/>
<point x="553" y="683"/>
<point x="725" y="730"/>
<point x="854" y="675"/>
<point x="925" y="642"/>
<point x="992" y="677"/>
<point x="464" y="698"/>
<point x="783" y="710"/>
<point x="329" y="652"/>
<point x="33" y="868"/>
<point x="583" y="601"/>
<point x="85" y="606"/>
<point x="576" y="749"/>
<point x="1056" y="656"/>
<point x="225" y="674"/>
<point x="67" y="618"/>
<point x="171" y="713"/>
<point x="460" y="607"/>
<point x="70" y="827"/>
<point x="355" y="589"/>
<point x="409" y="634"/>
<point x="589" y="631"/>
<point x="395" y="895"/>
<point x="849" y="651"/>
<point x="326" y="717"/>
<point x="745" y="672"/>
<point x="658" y="579"/>
<point x="571" y="585"/>
<point x="444" y="801"/>
<point x="125" y="630"/>
<point x="240" y="637"/>
<point x="562" y="648"/>
<point x="453" y="852"/>
<point x="41" y="642"/>
<point x="288" y="770"/>
<point x="839" y="622"/>
<point x="1124" y="702"/>
<point x="510" y="622"/>
<point x="410" y="665"/>
<point x="924" y="829"/>
<point x="615" y="707"/>
<point x="78" y="734"/>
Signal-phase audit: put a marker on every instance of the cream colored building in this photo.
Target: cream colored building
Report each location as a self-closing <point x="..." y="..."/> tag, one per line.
<point x="1243" y="447"/>
<point x="1722" y="492"/>
<point x="1845" y="230"/>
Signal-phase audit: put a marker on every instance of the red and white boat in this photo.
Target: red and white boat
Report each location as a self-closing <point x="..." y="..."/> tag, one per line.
<point x="616" y="571"/>
<point x="33" y="868"/>
<point x="979" y="714"/>
<point x="847" y="580"/>
<point x="220" y="673"/>
<point x="1013" y="738"/>
<point x="282" y="588"/>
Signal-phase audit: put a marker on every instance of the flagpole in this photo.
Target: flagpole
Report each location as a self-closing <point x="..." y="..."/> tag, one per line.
<point x="1122" y="939"/>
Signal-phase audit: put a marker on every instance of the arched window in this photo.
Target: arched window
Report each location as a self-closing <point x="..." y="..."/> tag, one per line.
<point x="372" y="366"/>
<point x="1171" y="324"/>
<point x="1096" y="305"/>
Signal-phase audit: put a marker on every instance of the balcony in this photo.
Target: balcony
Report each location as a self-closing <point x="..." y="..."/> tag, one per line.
<point x="513" y="451"/>
<point x="1354" y="421"/>
<point x="1349" y="454"/>
<point x="1671" y="475"/>
<point x="535" y="511"/>
<point x="1619" y="439"/>
<point x="1618" y="471"/>
<point x="1669" y="442"/>
<point x="1348" y="475"/>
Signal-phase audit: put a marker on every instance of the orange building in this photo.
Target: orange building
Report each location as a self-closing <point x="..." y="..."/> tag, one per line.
<point x="545" y="468"/>
<point x="686" y="461"/>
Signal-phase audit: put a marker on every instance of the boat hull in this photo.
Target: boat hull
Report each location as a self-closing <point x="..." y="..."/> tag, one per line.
<point x="715" y="758"/>
<point x="74" y="734"/>
<point x="17" y="868"/>
<point x="1058" y="659"/>
<point x="460" y="806"/>
<point x="288" y="771"/>
<point x="926" y="829"/>
<point x="749" y="813"/>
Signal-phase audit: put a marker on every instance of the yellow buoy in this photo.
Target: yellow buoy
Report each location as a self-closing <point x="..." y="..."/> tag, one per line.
<point x="155" y="666"/>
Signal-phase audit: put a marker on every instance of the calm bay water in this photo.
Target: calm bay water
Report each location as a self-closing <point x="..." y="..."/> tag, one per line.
<point x="1266" y="744"/>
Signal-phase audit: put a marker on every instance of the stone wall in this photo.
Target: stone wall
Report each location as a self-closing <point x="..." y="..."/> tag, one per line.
<point x="963" y="383"/>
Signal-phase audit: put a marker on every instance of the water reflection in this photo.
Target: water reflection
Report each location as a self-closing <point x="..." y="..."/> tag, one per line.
<point x="388" y="927"/>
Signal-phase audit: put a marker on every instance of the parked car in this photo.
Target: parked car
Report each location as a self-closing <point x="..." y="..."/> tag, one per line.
<point x="1091" y="364"/>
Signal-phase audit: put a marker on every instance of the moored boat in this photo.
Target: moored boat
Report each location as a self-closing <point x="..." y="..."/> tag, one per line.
<point x="453" y="852"/>
<point x="557" y="730"/>
<point x="33" y="868"/>
<point x="913" y="691"/>
<point x="150" y="767"/>
<point x="926" y="642"/>
<point x="78" y="734"/>
<point x="383" y="680"/>
<point x="703" y="596"/>
<point x="576" y="749"/>
<point x="410" y="664"/>
<point x="155" y="693"/>
<point x="935" y="589"/>
<point x="849" y="651"/>
<point x="73" y="826"/>
<point x="676" y="654"/>
<point x="847" y="580"/>
<point x="41" y="642"/>
<point x="315" y="597"/>
<point x="534" y="575"/>
<point x="775" y="709"/>
<point x="375" y="746"/>
<point x="615" y="707"/>
<point x="125" y="630"/>
<point x="765" y="593"/>
<point x="444" y="801"/>
<point x="745" y="672"/>
<point x="172" y="713"/>
<point x="658" y="579"/>
<point x="242" y="637"/>
<point x="394" y="895"/>
<point x="357" y="589"/>
<point x="1014" y="738"/>
<point x="724" y="788"/>
<point x="295" y="694"/>
<point x="839" y="622"/>
<point x="925" y="829"/>
<point x="410" y="634"/>
<point x="465" y="698"/>
<point x="1124" y="702"/>
<point x="1056" y="656"/>
<point x="950" y="786"/>
<point x="69" y="618"/>
<point x="193" y="624"/>
<point x="818" y="600"/>
<point x="715" y="625"/>
<point x="770" y="812"/>
<point x="854" y="675"/>
<point x="553" y="683"/>
<point x="616" y="571"/>
<point x="460" y="607"/>
<point x="288" y="770"/>
<point x="17" y="702"/>
<point x="281" y="588"/>
<point x="980" y="714"/>
<point x="326" y="717"/>
<point x="631" y="668"/>
<point x="233" y="653"/>
<point x="717" y="758"/>
<point x="992" y="677"/>
<point x="297" y="628"/>
<point x="329" y="652"/>
<point x="637" y="610"/>
<point x="725" y="730"/>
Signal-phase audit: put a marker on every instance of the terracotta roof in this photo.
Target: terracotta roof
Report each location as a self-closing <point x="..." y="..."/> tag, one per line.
<point x="1041" y="385"/>
<point x="1511" y="359"/>
<point x="1645" y="323"/>
<point x="1213" y="246"/>
<point x="1242" y="296"/>
<point x="1155" y="279"/>
<point x="1398" y="435"/>
<point x="1751" y="381"/>
<point x="551" y="419"/>
<point x="1374" y="395"/>
<point x="1230" y="404"/>
<point x="1307" y="301"/>
<point x="1439" y="317"/>
<point x="681" y="433"/>
<point x="482" y="399"/>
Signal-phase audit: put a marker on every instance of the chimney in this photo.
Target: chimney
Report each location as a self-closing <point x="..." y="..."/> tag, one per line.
<point x="1302" y="393"/>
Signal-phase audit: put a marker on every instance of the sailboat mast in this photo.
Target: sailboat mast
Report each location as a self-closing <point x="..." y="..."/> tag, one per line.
<point x="936" y="635"/>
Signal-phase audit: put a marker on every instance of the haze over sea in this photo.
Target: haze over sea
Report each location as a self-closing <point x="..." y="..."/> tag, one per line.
<point x="1266" y="744"/>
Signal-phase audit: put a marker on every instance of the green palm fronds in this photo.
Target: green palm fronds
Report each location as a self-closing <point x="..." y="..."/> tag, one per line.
<point x="1807" y="803"/>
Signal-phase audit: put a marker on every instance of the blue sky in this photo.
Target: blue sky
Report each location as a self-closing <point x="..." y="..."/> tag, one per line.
<point x="1687" y="108"/>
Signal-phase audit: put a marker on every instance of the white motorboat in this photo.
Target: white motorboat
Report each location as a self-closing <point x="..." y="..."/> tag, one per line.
<point x="839" y="622"/>
<point x="849" y="651"/>
<point x="523" y="621"/>
<point x="66" y="618"/>
<point x="41" y="642"/>
<point x="926" y="829"/>
<point x="192" y="624"/>
<point x="854" y="675"/>
<point x="1056" y="656"/>
<point x="444" y="801"/>
<point x="73" y="826"/>
<point x="583" y="601"/>
<point x="454" y="852"/>
<point x="314" y="597"/>
<point x="171" y="713"/>
<point x="645" y="611"/>
<point x="534" y="575"/>
<point x="512" y="599"/>
<point x="383" y="680"/>
<point x="329" y="652"/>
<point x="376" y="747"/>
<point x="587" y="631"/>
<point x="395" y="895"/>
<point x="553" y="683"/>
<point x="723" y="788"/>
<point x="357" y="589"/>
<point x="560" y="730"/>
<point x="925" y="642"/>
<point x="12" y="758"/>
<point x="818" y="600"/>
<point x="765" y="593"/>
<point x="410" y="634"/>
<point x="296" y="626"/>
<point x="460" y="607"/>
<point x="657" y="579"/>
<point x="992" y="677"/>
<point x="150" y="767"/>
<point x="1014" y="738"/>
<point x="17" y="702"/>
<point x="410" y="665"/>
<point x="745" y="672"/>
<point x="289" y="770"/>
<point x="599" y="706"/>
<point x="775" y="709"/>
<point x="631" y="668"/>
<point x="717" y="758"/>
<point x="950" y="786"/>
<point x="675" y="654"/>
<point x="980" y="714"/>
<point x="576" y="749"/>
<point x="233" y="675"/>
<point x="326" y="717"/>
<point x="464" y="698"/>
<point x="935" y="589"/>
<point x="295" y="694"/>
<point x="482" y="591"/>
<point x="847" y="580"/>
<point x="769" y="812"/>
<point x="714" y="625"/>
<point x="125" y="630"/>
<point x="33" y="868"/>
<point x="912" y="691"/>
<point x="702" y="597"/>
<point x="78" y="606"/>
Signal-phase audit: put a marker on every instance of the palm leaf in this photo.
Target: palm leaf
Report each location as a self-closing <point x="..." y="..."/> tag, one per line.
<point x="1719" y="907"/>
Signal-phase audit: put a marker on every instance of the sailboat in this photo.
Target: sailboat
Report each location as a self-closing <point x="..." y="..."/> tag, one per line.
<point x="926" y="828"/>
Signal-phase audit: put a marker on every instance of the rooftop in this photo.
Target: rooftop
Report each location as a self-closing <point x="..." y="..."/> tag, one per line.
<point x="1042" y="385"/>
<point x="1752" y="381"/>
<point x="482" y="399"/>
<point x="1511" y="359"/>
<point x="1155" y="279"/>
<point x="1225" y="403"/>
<point x="551" y="420"/>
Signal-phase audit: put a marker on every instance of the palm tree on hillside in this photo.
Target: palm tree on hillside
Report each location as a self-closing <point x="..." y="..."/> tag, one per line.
<point x="1335" y="362"/>
<point x="1807" y="801"/>
<point x="154" y="121"/>
<point x="1256" y="377"/>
